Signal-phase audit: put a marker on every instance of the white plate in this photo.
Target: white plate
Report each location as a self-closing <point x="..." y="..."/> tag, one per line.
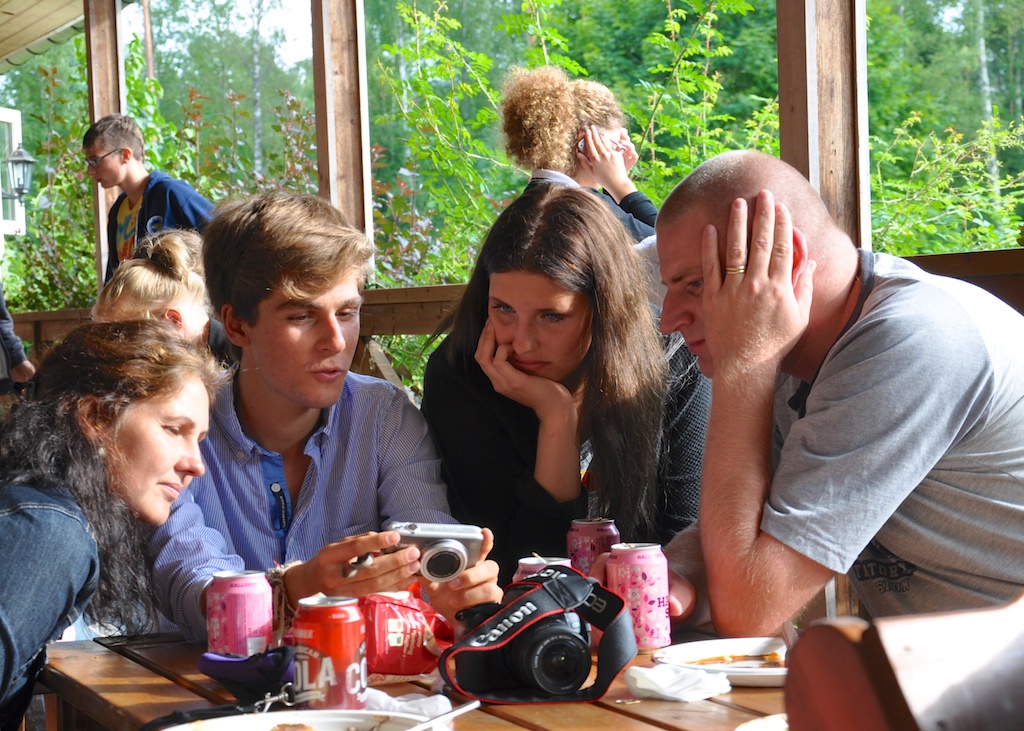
<point x="688" y="653"/>
<point x="317" y="720"/>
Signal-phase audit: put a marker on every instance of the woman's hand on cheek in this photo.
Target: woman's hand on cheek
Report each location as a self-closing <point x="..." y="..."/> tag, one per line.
<point x="534" y="392"/>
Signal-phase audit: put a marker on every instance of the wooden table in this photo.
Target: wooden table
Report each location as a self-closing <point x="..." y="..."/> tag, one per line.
<point x="120" y="685"/>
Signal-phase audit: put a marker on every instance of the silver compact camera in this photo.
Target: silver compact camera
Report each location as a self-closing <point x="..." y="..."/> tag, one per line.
<point x="446" y="549"/>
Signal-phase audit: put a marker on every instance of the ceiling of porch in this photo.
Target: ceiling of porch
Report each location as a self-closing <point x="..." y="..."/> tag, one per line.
<point x="29" y="27"/>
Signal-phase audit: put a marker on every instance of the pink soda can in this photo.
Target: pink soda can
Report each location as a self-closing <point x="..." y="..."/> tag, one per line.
<point x="588" y="538"/>
<point x="239" y="613"/>
<point x="530" y="565"/>
<point x="638" y="572"/>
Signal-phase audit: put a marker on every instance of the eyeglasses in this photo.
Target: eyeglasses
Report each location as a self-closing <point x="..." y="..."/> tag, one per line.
<point x="94" y="162"/>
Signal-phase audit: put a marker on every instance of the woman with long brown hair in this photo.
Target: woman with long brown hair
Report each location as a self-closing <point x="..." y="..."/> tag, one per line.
<point x="554" y="367"/>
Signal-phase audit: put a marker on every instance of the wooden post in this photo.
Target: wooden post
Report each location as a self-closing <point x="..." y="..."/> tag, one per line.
<point x="822" y="49"/>
<point x="107" y="95"/>
<point x="823" y="113"/>
<point x="342" y="111"/>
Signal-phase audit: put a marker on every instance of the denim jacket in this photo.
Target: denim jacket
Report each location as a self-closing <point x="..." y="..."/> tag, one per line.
<point x="49" y="569"/>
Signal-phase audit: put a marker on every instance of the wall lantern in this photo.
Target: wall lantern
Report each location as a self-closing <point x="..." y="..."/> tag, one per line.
<point x="19" y="170"/>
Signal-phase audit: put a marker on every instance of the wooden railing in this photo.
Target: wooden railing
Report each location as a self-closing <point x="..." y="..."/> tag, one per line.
<point x="418" y="310"/>
<point x="1000" y="272"/>
<point x="406" y="311"/>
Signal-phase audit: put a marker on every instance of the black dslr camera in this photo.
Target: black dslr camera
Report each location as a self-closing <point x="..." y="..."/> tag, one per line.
<point x="534" y="647"/>
<point x="551" y="654"/>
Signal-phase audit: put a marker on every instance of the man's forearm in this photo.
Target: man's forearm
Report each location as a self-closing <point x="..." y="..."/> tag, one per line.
<point x="685" y="558"/>
<point x="736" y="478"/>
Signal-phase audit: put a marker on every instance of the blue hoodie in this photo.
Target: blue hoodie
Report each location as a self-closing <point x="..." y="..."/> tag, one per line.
<point x="166" y="203"/>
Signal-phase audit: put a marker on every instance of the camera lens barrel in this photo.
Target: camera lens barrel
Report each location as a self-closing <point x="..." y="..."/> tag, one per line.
<point x="551" y="657"/>
<point x="443" y="560"/>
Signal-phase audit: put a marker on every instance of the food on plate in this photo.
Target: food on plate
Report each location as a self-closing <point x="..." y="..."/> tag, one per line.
<point x="767" y="660"/>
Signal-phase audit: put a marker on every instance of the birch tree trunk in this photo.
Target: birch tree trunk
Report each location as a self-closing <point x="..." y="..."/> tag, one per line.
<point x="985" y="87"/>
<point x="259" y="10"/>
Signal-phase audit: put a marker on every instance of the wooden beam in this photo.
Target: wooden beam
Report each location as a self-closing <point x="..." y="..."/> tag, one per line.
<point x="822" y="49"/>
<point x="105" y="62"/>
<point x="342" y="110"/>
<point x="1001" y="272"/>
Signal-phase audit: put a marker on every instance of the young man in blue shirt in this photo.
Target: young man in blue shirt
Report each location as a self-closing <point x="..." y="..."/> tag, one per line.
<point x="305" y="461"/>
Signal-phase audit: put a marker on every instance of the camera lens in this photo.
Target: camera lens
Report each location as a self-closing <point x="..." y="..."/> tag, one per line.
<point x="551" y="658"/>
<point x="443" y="560"/>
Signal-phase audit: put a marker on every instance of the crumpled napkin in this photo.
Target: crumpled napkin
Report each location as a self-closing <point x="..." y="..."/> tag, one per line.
<point x="427" y="706"/>
<point x="673" y="683"/>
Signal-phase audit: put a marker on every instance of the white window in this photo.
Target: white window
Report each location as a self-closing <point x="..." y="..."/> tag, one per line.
<point x="12" y="213"/>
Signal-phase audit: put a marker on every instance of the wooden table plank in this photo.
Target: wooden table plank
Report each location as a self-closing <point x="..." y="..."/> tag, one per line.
<point x="170" y="656"/>
<point x="130" y="682"/>
<point x="121" y="694"/>
<point x="763" y="701"/>
<point x="571" y="716"/>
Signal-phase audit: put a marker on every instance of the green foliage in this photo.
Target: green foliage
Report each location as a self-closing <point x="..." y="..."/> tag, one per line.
<point x="52" y="266"/>
<point x="949" y="201"/>
<point x="431" y="218"/>
<point x="695" y="77"/>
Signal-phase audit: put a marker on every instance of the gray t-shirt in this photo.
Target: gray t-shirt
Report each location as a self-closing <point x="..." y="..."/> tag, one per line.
<point x="907" y="470"/>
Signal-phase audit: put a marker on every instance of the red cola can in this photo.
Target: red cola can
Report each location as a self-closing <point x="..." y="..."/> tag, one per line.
<point x="329" y="635"/>
<point x="239" y="613"/>
<point x="638" y="572"/>
<point x="588" y="538"/>
<point x="530" y="565"/>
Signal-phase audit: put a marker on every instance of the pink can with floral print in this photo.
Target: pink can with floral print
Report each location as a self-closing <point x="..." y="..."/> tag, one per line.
<point x="588" y="538"/>
<point x="638" y="572"/>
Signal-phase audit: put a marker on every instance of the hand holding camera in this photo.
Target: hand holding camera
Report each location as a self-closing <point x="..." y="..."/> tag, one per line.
<point x="446" y="550"/>
<point x="343" y="568"/>
<point x="475" y="583"/>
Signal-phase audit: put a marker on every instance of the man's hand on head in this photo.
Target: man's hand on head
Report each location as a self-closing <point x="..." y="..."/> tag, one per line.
<point x="755" y="309"/>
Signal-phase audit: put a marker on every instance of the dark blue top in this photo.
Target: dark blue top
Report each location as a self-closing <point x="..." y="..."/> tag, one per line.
<point x="48" y="573"/>
<point x="166" y="203"/>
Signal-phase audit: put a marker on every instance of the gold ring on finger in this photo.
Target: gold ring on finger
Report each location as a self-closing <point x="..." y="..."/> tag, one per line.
<point x="735" y="270"/>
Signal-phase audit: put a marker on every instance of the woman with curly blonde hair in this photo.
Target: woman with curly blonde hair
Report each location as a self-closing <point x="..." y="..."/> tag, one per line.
<point x="572" y="132"/>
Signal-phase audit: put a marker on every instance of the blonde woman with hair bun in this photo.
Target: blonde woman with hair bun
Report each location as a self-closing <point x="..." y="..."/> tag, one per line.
<point x="164" y="281"/>
<point x="572" y="132"/>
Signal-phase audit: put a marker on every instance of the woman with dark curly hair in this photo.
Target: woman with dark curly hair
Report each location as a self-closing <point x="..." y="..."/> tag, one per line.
<point x="554" y="366"/>
<point x="573" y="132"/>
<point x="106" y="440"/>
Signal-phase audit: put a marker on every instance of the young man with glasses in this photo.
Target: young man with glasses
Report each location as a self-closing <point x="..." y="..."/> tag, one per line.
<point x="149" y="202"/>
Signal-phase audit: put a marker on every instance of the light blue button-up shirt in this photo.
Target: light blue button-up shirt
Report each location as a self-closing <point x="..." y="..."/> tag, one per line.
<point x="372" y="461"/>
